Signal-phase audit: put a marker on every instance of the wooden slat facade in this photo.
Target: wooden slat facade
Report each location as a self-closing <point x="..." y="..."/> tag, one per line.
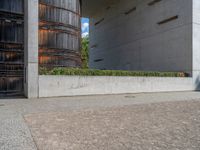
<point x="59" y="34"/>
<point x="11" y="47"/>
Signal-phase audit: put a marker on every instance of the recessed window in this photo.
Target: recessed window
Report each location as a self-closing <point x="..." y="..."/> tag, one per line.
<point x="154" y="2"/>
<point x="98" y="22"/>
<point x="168" y="20"/>
<point x="130" y="11"/>
<point x="98" y="60"/>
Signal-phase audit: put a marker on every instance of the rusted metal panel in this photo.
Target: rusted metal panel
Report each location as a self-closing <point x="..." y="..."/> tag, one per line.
<point x="11" y="48"/>
<point x="59" y="34"/>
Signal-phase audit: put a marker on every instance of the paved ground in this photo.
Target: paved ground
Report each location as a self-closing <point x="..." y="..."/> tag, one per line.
<point x="116" y="122"/>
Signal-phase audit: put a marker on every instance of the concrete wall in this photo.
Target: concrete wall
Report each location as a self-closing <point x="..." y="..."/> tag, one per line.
<point x="136" y="42"/>
<point x="52" y="86"/>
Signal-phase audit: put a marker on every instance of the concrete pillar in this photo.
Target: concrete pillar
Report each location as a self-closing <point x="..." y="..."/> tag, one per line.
<point x="31" y="48"/>
<point x="196" y="43"/>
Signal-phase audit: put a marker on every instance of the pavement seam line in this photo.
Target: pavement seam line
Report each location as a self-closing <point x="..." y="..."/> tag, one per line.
<point x="35" y="143"/>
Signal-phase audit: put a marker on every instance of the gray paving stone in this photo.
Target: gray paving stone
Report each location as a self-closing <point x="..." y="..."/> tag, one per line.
<point x="170" y="125"/>
<point x="158" y="120"/>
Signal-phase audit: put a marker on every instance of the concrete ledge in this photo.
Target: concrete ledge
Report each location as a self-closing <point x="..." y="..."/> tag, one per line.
<point x="55" y="86"/>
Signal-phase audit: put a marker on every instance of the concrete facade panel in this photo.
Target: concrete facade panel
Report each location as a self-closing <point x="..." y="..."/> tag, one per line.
<point x="137" y="42"/>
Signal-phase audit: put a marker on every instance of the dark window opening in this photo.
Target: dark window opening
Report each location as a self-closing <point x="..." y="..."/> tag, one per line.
<point x="98" y="22"/>
<point x="168" y="20"/>
<point x="130" y="11"/>
<point x="154" y="2"/>
<point x="98" y="60"/>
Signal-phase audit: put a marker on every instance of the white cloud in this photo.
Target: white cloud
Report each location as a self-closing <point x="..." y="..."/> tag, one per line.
<point x="85" y="26"/>
<point x="85" y="34"/>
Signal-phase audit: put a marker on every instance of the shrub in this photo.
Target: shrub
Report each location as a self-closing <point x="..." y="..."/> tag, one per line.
<point x="90" y="72"/>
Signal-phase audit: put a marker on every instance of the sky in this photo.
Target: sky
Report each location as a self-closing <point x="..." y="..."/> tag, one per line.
<point x="85" y="27"/>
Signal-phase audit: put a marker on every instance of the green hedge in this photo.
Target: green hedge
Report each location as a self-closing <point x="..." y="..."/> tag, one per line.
<point x="88" y="72"/>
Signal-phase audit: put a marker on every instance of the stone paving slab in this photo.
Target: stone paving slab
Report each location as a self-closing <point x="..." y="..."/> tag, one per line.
<point x="159" y="126"/>
<point x="15" y="135"/>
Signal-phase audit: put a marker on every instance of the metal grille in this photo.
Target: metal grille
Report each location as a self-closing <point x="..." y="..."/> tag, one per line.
<point x="11" y="48"/>
<point x="59" y="35"/>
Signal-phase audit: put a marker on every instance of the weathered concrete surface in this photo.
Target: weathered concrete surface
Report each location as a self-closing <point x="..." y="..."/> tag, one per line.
<point x="183" y="106"/>
<point x="52" y="86"/>
<point x="136" y="41"/>
<point x="160" y="126"/>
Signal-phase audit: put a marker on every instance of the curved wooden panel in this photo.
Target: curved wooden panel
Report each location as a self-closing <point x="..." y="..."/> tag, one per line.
<point x="59" y="34"/>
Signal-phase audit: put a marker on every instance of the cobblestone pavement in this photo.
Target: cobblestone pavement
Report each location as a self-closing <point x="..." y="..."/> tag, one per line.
<point x="160" y="126"/>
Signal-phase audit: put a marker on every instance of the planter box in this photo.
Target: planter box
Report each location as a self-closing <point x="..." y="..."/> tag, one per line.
<point x="56" y="86"/>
